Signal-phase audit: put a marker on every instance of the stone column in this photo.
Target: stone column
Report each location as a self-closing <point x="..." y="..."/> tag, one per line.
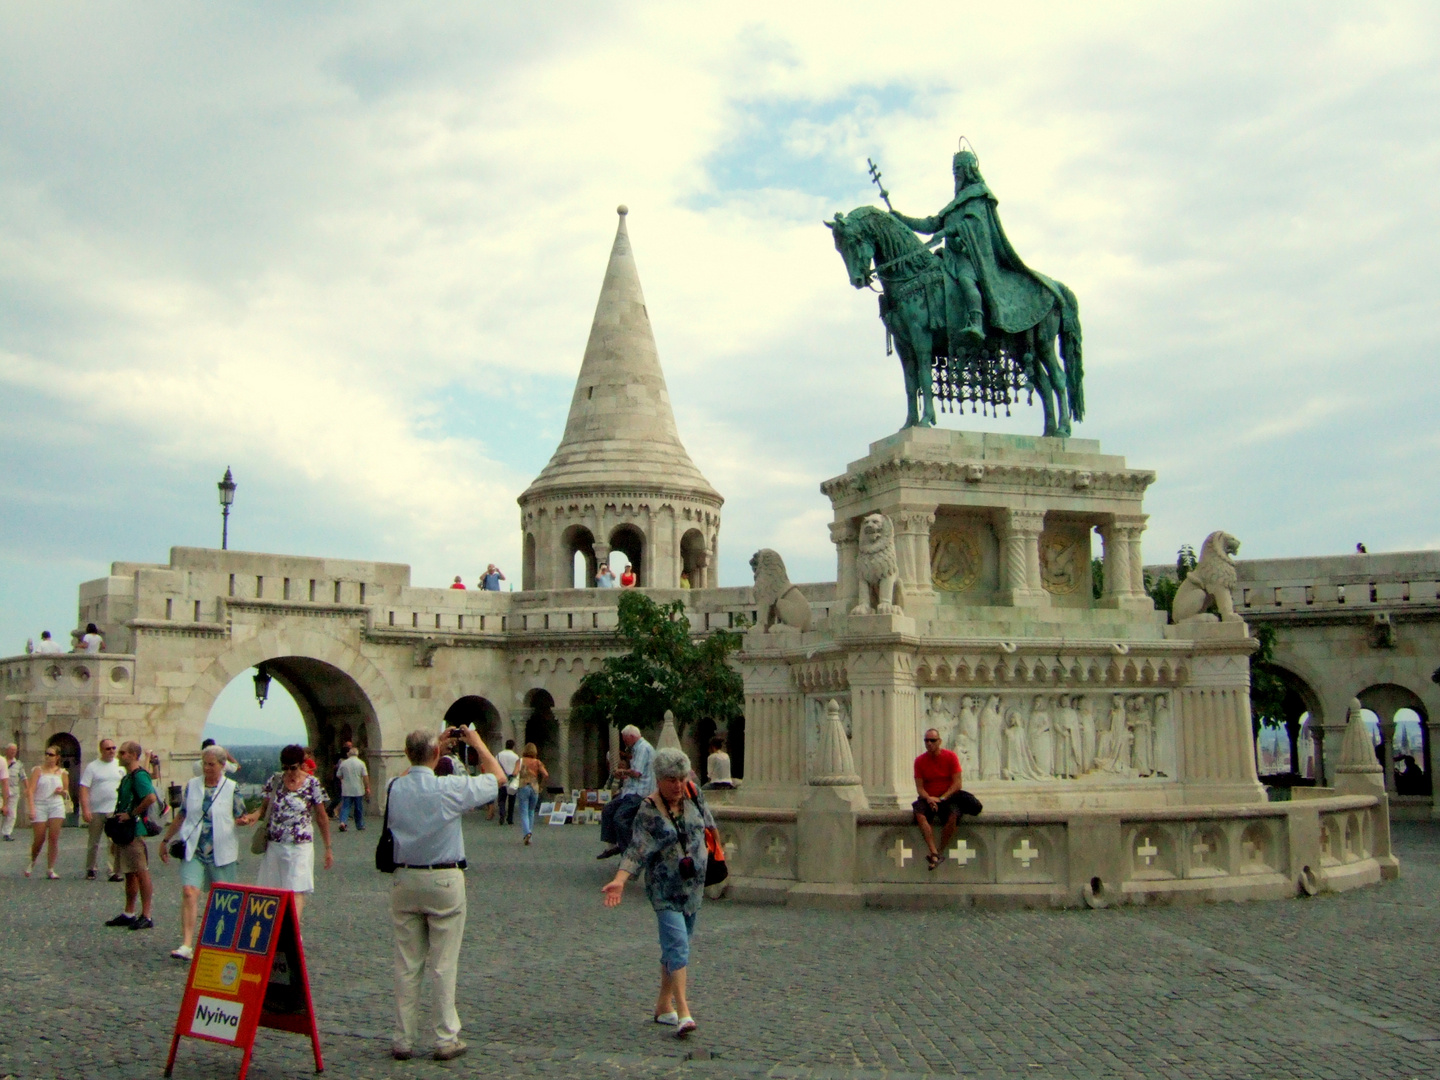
<point x="1387" y="735"/>
<point x="774" y="732"/>
<point x="602" y="556"/>
<point x="912" y="548"/>
<point x="885" y="724"/>
<point x="700" y="577"/>
<point x="562" y="735"/>
<point x="1117" y="562"/>
<point x="1217" y="741"/>
<point x="844" y="536"/>
<point x="1022" y="582"/>
<point x="1133" y="528"/>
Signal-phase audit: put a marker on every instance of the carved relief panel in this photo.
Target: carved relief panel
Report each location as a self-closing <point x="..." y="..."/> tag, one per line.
<point x="815" y="720"/>
<point x="1065" y="562"/>
<point x="1050" y="737"/>
<point x="964" y="557"/>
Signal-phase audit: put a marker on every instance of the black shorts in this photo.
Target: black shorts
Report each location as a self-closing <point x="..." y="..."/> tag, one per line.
<point x="962" y="802"/>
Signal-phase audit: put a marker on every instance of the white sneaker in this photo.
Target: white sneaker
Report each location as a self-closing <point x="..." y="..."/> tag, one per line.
<point x="671" y="1018"/>
<point x="184" y="952"/>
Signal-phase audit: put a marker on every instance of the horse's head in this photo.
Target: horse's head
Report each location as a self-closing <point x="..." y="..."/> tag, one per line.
<point x="853" y="242"/>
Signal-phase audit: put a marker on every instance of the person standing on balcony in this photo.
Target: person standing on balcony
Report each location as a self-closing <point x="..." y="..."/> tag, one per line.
<point x="490" y="580"/>
<point x="91" y="641"/>
<point x="48" y="644"/>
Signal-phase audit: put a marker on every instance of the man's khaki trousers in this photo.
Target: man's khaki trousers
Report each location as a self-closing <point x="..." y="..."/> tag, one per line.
<point x="427" y="909"/>
<point x="94" y="838"/>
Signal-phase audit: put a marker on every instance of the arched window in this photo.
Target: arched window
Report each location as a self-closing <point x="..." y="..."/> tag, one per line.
<point x="630" y="540"/>
<point x="527" y="568"/>
<point x="579" y="547"/>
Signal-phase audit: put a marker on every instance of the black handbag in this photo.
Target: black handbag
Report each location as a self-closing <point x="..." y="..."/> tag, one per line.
<point x="385" y="848"/>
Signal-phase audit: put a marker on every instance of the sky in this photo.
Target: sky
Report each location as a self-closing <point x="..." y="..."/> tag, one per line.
<point x="352" y="252"/>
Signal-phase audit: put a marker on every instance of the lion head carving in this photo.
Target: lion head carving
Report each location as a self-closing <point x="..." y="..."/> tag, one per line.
<point x="1212" y="579"/>
<point x="877" y="568"/>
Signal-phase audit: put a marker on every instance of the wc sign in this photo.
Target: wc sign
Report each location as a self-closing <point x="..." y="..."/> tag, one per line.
<point x="248" y="972"/>
<point x="216" y="1019"/>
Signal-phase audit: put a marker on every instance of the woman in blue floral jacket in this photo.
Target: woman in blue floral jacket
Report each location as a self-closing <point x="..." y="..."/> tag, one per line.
<point x="668" y="843"/>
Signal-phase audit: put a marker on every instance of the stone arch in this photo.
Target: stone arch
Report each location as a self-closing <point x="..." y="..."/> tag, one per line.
<point x="1385" y="699"/>
<point x="342" y="696"/>
<point x="578" y="540"/>
<point x="591" y="744"/>
<point x="472" y="710"/>
<point x="70" y="760"/>
<point x="631" y="540"/>
<point x="694" y="558"/>
<point x="542" y="728"/>
<point x="1303" y="709"/>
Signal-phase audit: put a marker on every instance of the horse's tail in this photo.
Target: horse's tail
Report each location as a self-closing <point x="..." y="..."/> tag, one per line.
<point x="1071" y="350"/>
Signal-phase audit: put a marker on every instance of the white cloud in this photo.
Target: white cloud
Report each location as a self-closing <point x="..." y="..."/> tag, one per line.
<point x="358" y="249"/>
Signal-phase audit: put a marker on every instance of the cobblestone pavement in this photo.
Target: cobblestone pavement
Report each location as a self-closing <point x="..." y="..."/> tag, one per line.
<point x="553" y="985"/>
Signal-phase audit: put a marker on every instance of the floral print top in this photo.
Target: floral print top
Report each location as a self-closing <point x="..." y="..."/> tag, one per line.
<point x="290" y="811"/>
<point x="657" y="846"/>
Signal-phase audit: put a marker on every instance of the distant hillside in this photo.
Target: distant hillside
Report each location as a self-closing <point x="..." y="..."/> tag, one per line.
<point x="238" y="736"/>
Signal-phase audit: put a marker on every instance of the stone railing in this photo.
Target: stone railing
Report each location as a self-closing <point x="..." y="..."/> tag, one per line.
<point x="62" y="675"/>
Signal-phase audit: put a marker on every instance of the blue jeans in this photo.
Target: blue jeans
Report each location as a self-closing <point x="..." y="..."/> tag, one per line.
<point x="353" y="804"/>
<point x="676" y="929"/>
<point x="529" y="800"/>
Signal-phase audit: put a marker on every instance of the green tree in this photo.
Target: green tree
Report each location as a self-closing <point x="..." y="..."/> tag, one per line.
<point x="666" y="668"/>
<point x="1163" y="589"/>
<point x="1267" y="690"/>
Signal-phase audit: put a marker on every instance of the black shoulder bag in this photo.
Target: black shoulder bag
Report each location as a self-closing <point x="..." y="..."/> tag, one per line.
<point x="385" y="849"/>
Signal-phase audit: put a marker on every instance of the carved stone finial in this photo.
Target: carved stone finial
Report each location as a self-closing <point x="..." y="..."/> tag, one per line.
<point x="777" y="599"/>
<point x="669" y="738"/>
<point x="1213" y="579"/>
<point x="834" y="764"/>
<point x="1357" y="751"/>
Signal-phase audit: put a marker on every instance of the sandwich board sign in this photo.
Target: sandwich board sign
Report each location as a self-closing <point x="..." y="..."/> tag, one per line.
<point x="248" y="972"/>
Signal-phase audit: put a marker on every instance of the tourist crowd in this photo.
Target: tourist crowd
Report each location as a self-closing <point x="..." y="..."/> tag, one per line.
<point x="656" y="820"/>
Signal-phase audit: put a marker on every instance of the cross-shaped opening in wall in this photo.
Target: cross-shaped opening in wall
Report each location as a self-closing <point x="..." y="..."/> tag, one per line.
<point x="1147" y="850"/>
<point x="1203" y="849"/>
<point x="963" y="852"/>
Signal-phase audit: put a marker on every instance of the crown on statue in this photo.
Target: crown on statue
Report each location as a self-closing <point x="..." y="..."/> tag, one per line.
<point x="963" y="160"/>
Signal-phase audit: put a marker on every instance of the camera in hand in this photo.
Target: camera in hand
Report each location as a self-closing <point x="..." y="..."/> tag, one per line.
<point x="687" y="868"/>
<point x="455" y="733"/>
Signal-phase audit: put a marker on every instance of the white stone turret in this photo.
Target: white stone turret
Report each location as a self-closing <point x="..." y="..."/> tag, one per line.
<point x="620" y="478"/>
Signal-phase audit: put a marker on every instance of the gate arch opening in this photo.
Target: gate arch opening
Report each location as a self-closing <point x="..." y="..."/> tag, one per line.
<point x="333" y="709"/>
<point x="481" y="714"/>
<point x="543" y="729"/>
<point x="70" y="757"/>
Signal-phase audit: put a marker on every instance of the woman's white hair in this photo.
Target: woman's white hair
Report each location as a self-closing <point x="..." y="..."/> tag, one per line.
<point x="214" y="752"/>
<point x="671" y="764"/>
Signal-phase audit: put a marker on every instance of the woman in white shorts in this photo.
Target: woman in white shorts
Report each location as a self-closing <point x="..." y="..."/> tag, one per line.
<point x="295" y="806"/>
<point x="47" y="808"/>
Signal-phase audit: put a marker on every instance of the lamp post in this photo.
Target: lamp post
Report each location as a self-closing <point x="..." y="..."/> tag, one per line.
<point x="227" y="496"/>
<point x="262" y="684"/>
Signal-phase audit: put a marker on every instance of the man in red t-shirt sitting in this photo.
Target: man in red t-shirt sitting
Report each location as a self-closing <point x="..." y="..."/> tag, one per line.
<point x="937" y="780"/>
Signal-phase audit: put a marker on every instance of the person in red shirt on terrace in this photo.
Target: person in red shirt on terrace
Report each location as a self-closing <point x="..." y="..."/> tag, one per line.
<point x="627" y="578"/>
<point x="937" y="780"/>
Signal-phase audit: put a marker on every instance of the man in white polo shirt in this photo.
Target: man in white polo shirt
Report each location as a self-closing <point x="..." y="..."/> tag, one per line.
<point x="427" y="897"/>
<point x="99" y="784"/>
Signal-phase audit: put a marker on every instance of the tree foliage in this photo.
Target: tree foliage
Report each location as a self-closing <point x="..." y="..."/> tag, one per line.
<point x="1163" y="589"/>
<point x="666" y="668"/>
<point x="1267" y="690"/>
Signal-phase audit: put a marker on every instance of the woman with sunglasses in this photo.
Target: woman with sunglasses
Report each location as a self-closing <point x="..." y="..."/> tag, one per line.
<point x="294" y="807"/>
<point x="47" y="809"/>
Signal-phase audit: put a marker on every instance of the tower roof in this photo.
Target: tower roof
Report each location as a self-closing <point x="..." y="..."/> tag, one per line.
<point x="621" y="431"/>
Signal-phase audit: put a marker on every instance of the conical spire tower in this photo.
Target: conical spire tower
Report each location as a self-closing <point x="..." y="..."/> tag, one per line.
<point x="620" y="478"/>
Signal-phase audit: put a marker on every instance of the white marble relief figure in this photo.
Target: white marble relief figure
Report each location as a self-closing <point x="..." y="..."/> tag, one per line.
<point x="1113" y="753"/>
<point x="939" y="716"/>
<point x="1068" y="741"/>
<point x="1041" y="738"/>
<point x="1019" y="763"/>
<point x="1087" y="735"/>
<point x="1142" y="752"/>
<point x="1164" y="738"/>
<point x="968" y="739"/>
<point x="992" y="740"/>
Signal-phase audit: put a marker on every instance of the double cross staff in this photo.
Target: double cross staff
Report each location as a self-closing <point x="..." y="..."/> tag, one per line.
<point x="875" y="175"/>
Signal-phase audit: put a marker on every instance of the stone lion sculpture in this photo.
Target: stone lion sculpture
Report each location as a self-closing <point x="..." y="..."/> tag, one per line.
<point x="777" y="599"/>
<point x="1213" y="579"/>
<point x="877" y="569"/>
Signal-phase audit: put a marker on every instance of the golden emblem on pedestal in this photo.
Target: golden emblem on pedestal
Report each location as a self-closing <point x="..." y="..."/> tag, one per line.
<point x="954" y="560"/>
